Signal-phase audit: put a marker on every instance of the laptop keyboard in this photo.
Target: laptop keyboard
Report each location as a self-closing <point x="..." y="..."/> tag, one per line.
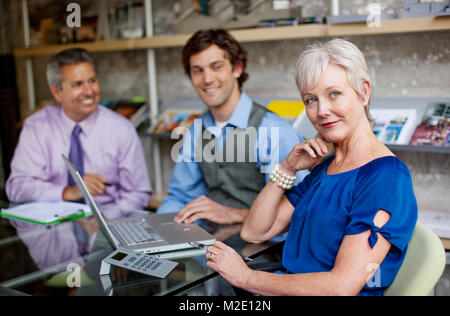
<point x="135" y="233"/>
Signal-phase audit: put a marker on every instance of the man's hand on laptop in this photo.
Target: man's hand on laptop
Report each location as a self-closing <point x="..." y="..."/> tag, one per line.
<point x="205" y="208"/>
<point x="96" y="185"/>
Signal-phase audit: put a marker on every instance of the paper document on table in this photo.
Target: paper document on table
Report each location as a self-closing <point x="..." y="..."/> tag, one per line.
<point x="437" y="222"/>
<point x="47" y="213"/>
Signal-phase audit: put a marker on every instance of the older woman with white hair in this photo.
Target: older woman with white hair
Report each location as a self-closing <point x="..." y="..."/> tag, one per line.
<point x="350" y="220"/>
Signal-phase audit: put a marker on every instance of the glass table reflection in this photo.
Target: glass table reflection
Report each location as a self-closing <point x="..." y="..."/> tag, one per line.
<point x="62" y="274"/>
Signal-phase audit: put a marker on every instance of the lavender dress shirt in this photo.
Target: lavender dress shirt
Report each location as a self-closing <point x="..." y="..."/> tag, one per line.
<point x="111" y="148"/>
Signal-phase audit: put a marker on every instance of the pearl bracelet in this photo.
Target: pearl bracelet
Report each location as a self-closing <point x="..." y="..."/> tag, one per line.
<point x="283" y="180"/>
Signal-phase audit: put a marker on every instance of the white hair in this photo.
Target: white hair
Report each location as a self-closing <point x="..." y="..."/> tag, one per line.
<point x="313" y="63"/>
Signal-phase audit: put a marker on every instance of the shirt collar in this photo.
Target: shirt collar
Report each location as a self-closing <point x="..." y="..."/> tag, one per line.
<point x="86" y="125"/>
<point x="240" y="116"/>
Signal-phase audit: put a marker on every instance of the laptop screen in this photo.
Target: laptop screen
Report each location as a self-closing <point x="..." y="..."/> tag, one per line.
<point x="90" y="201"/>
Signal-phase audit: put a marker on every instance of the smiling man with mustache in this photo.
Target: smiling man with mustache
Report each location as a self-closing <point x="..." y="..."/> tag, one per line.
<point x="105" y="144"/>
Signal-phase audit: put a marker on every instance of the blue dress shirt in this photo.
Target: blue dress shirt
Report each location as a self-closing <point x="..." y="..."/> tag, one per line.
<point x="274" y="142"/>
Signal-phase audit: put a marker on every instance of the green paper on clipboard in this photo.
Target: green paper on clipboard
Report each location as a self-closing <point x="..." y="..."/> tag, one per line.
<point x="47" y="213"/>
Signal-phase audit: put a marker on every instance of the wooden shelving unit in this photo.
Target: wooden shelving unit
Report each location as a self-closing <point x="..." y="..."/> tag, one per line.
<point x="421" y="149"/>
<point x="394" y="26"/>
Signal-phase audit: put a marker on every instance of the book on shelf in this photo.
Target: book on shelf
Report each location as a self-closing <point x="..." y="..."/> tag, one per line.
<point x="290" y="110"/>
<point x="174" y="121"/>
<point x="394" y="126"/>
<point x="434" y="129"/>
<point x="286" y="108"/>
<point x="136" y="109"/>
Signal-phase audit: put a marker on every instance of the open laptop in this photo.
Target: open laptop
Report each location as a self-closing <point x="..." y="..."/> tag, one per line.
<point x="149" y="233"/>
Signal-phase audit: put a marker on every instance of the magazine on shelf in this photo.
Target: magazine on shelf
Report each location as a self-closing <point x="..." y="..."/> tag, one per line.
<point x="136" y="110"/>
<point x="394" y="126"/>
<point x="434" y="130"/>
<point x="174" y="121"/>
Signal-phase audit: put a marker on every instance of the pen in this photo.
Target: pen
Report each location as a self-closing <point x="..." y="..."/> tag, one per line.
<point x="107" y="184"/>
<point x="203" y="246"/>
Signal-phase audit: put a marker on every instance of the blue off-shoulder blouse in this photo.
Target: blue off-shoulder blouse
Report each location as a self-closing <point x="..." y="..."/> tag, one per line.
<point x="329" y="207"/>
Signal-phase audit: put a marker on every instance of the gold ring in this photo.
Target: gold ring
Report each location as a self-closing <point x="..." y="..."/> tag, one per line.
<point x="210" y="256"/>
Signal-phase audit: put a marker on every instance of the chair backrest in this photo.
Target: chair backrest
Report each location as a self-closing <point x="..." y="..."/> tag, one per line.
<point x="423" y="265"/>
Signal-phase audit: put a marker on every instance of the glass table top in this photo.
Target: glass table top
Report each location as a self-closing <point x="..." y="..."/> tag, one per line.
<point x="37" y="261"/>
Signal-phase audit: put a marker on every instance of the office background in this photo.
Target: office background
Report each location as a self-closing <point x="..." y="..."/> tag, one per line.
<point x="415" y="65"/>
<point x="403" y="66"/>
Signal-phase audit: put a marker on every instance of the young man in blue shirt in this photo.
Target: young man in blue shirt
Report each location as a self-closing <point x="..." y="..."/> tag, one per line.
<point x="229" y="151"/>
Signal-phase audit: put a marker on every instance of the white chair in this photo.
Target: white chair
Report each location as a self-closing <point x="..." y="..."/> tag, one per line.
<point x="423" y="265"/>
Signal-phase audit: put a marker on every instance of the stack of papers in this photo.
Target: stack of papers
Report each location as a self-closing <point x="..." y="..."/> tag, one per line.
<point x="47" y="213"/>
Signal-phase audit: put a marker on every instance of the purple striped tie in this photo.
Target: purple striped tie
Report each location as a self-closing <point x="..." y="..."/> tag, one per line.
<point x="76" y="157"/>
<point x="76" y="153"/>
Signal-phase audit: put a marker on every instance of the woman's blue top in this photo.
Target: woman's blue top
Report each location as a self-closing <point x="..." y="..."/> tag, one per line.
<point x="328" y="207"/>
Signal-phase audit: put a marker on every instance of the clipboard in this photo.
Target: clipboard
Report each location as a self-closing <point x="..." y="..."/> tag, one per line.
<point x="47" y="213"/>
